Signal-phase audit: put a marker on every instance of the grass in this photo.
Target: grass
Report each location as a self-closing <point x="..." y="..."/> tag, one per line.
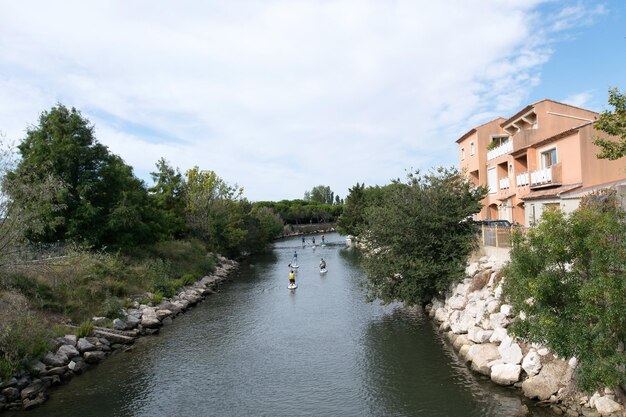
<point x="85" y="284"/>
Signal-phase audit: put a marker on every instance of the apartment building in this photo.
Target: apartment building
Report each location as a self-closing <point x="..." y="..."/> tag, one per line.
<point x="541" y="156"/>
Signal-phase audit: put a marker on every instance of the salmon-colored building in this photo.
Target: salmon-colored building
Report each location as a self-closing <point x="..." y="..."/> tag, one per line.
<point x="542" y="156"/>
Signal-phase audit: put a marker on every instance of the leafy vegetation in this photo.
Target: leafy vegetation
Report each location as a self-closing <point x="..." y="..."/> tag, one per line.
<point x="353" y="219"/>
<point x="420" y="236"/>
<point x="568" y="276"/>
<point x="303" y="212"/>
<point x="613" y="123"/>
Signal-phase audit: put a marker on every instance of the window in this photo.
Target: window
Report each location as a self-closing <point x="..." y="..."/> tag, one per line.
<point x="471" y="148"/>
<point x="551" y="206"/>
<point x="462" y="154"/>
<point x="548" y="158"/>
<point x="492" y="180"/>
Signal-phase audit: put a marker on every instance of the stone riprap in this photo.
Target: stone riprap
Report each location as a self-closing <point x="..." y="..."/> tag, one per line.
<point x="475" y="319"/>
<point x="72" y="356"/>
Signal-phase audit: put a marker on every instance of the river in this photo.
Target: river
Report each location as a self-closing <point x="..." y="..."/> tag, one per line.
<point x="259" y="349"/>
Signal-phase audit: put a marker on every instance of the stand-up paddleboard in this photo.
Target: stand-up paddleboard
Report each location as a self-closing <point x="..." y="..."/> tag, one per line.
<point x="292" y="286"/>
<point x="323" y="270"/>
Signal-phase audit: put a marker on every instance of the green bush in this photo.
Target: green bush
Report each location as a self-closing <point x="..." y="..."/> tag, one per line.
<point x="568" y="276"/>
<point x="22" y="339"/>
<point x="188" y="279"/>
<point x="113" y="308"/>
<point x="157" y="297"/>
<point x="85" y="329"/>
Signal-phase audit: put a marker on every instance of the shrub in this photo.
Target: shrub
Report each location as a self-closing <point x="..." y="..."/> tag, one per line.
<point x="85" y="329"/>
<point x="113" y="308"/>
<point x="568" y="275"/>
<point x="157" y="297"/>
<point x="23" y="338"/>
<point x="188" y="279"/>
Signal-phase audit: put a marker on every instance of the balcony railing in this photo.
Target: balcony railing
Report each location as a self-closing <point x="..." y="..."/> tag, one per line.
<point x="522" y="179"/>
<point x="503" y="149"/>
<point x="504" y="183"/>
<point x="541" y="177"/>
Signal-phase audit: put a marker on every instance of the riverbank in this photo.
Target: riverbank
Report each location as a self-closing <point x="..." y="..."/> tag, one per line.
<point x="308" y="229"/>
<point x="475" y="320"/>
<point x="72" y="355"/>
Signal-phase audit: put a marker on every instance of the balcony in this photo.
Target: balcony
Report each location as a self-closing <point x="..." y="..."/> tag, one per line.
<point x="504" y="183"/>
<point x="522" y="179"/>
<point x="503" y="149"/>
<point x="541" y="178"/>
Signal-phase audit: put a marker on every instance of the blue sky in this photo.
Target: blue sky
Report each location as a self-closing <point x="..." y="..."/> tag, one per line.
<point x="281" y="95"/>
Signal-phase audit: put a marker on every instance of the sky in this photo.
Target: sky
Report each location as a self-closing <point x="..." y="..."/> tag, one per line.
<point x="281" y="96"/>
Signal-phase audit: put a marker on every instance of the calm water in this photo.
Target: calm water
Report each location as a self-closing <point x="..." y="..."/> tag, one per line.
<point x="259" y="349"/>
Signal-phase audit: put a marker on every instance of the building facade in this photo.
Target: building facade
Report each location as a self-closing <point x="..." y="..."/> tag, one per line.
<point x="543" y="156"/>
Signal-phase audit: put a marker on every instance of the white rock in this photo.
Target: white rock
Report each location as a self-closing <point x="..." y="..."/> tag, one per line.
<point x="498" y="291"/>
<point x="492" y="278"/>
<point x="473" y="334"/>
<point x="498" y="335"/>
<point x="505" y="374"/>
<point x="483" y="259"/>
<point x="457" y="302"/>
<point x="522" y="315"/>
<point x="493" y="306"/>
<point x="573" y="362"/>
<point x="593" y="399"/>
<point x="543" y="351"/>
<point x="472" y="269"/>
<point x="552" y="377"/>
<point x="507" y="310"/>
<point x="606" y="406"/>
<point x="68" y="350"/>
<point x="481" y="357"/>
<point x="498" y="320"/>
<point x="441" y="314"/>
<point x="532" y="363"/>
<point x="510" y="351"/>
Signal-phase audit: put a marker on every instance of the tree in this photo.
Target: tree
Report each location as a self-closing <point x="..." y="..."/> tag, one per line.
<point x="353" y="216"/>
<point x="613" y="123"/>
<point x="101" y="203"/>
<point x="568" y="276"/>
<point x="212" y="210"/>
<point x="167" y="193"/>
<point x="320" y="194"/>
<point x="36" y="196"/>
<point x="420" y="236"/>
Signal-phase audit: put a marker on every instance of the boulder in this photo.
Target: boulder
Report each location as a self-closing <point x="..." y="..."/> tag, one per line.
<point x="120" y="324"/>
<point x="507" y="310"/>
<point x="11" y="394"/>
<point x="132" y="322"/>
<point x="460" y="341"/>
<point x="52" y="380"/>
<point x="457" y="302"/>
<point x="498" y="335"/>
<point x="149" y="319"/>
<point x="94" y="357"/>
<point x="505" y="374"/>
<point x="463" y="352"/>
<point x="531" y="363"/>
<point x="471" y="269"/>
<point x="99" y="321"/>
<point x="37" y="368"/>
<point x="32" y="403"/>
<point x="551" y="377"/>
<point x="510" y="352"/>
<point x="59" y="370"/>
<point x="109" y="337"/>
<point x="479" y="335"/>
<point x="161" y="314"/>
<point x="68" y="339"/>
<point x="607" y="406"/>
<point x="481" y="357"/>
<point x="68" y="350"/>
<point x="55" y="360"/>
<point x="10" y="383"/>
<point x="83" y="345"/>
<point x="498" y="320"/>
<point x="441" y="314"/>
<point x="493" y="306"/>
<point x="31" y="391"/>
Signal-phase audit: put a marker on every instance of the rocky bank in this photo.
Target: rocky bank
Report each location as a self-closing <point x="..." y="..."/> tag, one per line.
<point x="72" y="356"/>
<point x="475" y="320"/>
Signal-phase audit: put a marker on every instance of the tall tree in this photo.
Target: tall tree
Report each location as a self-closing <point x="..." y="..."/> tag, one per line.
<point x="321" y="194"/>
<point x="167" y="193"/>
<point x="613" y="123"/>
<point x="420" y="236"/>
<point x="102" y="202"/>
<point x="212" y="210"/>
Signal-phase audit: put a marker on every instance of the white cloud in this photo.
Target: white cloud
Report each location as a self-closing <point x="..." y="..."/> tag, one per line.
<point x="579" y="99"/>
<point x="277" y="96"/>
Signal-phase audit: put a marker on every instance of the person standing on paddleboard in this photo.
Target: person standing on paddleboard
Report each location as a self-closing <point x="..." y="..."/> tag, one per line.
<point x="292" y="278"/>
